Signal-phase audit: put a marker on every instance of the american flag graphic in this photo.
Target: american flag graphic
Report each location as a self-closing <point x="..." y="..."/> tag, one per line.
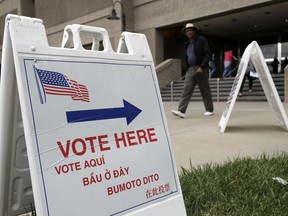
<point x="55" y="83"/>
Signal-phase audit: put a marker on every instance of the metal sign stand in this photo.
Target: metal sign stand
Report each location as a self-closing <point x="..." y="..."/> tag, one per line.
<point x="254" y="53"/>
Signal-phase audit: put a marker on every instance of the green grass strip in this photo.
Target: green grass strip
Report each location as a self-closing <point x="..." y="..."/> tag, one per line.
<point x="243" y="186"/>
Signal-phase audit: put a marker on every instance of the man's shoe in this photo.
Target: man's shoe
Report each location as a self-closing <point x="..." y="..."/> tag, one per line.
<point x="178" y="113"/>
<point x="208" y="113"/>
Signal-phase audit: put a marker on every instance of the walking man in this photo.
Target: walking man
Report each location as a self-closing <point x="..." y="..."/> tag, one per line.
<point x="197" y="61"/>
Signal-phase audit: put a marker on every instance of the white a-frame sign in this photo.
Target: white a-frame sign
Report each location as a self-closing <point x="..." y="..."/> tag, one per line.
<point x="254" y="53"/>
<point x="88" y="126"/>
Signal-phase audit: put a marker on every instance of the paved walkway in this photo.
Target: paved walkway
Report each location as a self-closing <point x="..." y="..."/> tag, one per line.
<point x="251" y="130"/>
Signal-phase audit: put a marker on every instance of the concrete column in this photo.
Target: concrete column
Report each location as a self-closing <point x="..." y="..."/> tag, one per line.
<point x="286" y="84"/>
<point x="155" y="41"/>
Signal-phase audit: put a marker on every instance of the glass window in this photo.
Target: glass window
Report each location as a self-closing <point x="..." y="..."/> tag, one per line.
<point x="284" y="49"/>
<point x="269" y="51"/>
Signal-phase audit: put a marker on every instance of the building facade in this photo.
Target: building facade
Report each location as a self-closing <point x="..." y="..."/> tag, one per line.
<point x="227" y="24"/>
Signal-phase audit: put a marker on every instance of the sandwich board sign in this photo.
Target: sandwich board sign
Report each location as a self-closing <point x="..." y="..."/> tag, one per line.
<point x="90" y="123"/>
<point x="254" y="53"/>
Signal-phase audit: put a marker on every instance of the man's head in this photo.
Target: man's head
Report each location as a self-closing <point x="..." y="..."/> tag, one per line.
<point x="190" y="30"/>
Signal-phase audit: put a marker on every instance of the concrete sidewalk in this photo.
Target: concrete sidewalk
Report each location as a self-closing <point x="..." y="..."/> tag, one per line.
<point x="251" y="130"/>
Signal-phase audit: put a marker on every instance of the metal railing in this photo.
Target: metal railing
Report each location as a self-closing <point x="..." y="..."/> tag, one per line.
<point x="171" y="87"/>
<point x="217" y="89"/>
<point x="217" y="84"/>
